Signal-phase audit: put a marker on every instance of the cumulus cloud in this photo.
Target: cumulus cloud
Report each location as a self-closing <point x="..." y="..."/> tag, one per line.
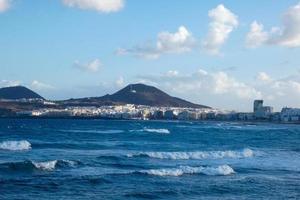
<point x="287" y="35"/>
<point x="9" y="83"/>
<point x="211" y="88"/>
<point x="105" y="6"/>
<point x="256" y="35"/>
<point x="37" y="85"/>
<point x="4" y="5"/>
<point x="264" y="77"/>
<point x="223" y="22"/>
<point x="167" y="43"/>
<point x="281" y="91"/>
<point x="92" y="66"/>
<point x="220" y="89"/>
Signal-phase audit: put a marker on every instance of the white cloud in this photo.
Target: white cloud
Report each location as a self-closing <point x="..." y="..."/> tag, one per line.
<point x="256" y="36"/>
<point x="172" y="73"/>
<point x="220" y="89"/>
<point x="287" y="35"/>
<point x="92" y="66"/>
<point x="120" y="82"/>
<point x="167" y="43"/>
<point x="280" y="92"/>
<point x="223" y="22"/>
<point x="9" y="83"/>
<point x="264" y="77"/>
<point x="37" y="85"/>
<point x="98" y="5"/>
<point x="224" y="84"/>
<point x="174" y="42"/>
<point x="4" y="5"/>
<point x="290" y="32"/>
<point x="214" y="89"/>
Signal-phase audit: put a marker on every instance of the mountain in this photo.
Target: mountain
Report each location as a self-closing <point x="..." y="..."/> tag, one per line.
<point x="18" y="92"/>
<point x="139" y="94"/>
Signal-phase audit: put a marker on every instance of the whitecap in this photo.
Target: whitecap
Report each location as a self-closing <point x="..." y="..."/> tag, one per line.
<point x="15" y="145"/>
<point x="47" y="165"/>
<point x="161" y="130"/>
<point x="153" y="130"/>
<point x="222" y="170"/>
<point x="53" y="164"/>
<point x="196" y="155"/>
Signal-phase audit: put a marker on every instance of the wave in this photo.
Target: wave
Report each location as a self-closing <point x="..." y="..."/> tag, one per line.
<point x="196" y="155"/>
<point x="153" y="130"/>
<point x="15" y="145"/>
<point x="43" y="166"/>
<point x="222" y="170"/>
<point x="113" y="131"/>
<point x="47" y="166"/>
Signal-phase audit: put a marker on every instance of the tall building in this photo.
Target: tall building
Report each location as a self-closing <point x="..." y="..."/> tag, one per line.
<point x="261" y="111"/>
<point x="258" y="105"/>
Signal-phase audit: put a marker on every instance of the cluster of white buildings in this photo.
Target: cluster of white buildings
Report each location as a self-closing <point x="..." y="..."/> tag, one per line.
<point x="290" y="115"/>
<point x="130" y="111"/>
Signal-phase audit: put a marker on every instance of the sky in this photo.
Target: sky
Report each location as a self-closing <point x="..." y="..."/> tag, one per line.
<point x="222" y="54"/>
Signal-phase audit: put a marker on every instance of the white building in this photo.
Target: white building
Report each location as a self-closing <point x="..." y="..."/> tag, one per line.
<point x="290" y="115"/>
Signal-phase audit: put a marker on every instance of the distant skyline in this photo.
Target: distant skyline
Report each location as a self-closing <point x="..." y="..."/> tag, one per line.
<point x="222" y="54"/>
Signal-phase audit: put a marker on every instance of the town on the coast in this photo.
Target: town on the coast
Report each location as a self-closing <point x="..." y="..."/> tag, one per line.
<point x="135" y="101"/>
<point x="131" y="111"/>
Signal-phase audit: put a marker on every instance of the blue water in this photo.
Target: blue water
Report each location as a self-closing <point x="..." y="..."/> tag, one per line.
<point x="98" y="159"/>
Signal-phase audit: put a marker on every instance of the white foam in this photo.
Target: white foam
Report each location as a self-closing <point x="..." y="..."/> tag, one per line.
<point x="211" y="171"/>
<point x="161" y="130"/>
<point x="52" y="164"/>
<point x="47" y="166"/>
<point x="197" y="155"/>
<point x="15" y="145"/>
<point x="152" y="130"/>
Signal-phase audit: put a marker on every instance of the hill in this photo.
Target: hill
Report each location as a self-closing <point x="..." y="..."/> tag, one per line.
<point x="139" y="94"/>
<point x="18" y="92"/>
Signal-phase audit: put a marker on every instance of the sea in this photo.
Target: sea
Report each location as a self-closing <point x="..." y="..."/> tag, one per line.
<point x="111" y="159"/>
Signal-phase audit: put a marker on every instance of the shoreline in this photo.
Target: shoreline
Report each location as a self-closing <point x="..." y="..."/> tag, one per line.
<point x="155" y="120"/>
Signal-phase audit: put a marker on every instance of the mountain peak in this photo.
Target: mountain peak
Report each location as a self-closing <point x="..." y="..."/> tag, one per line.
<point x="140" y="87"/>
<point x="141" y="94"/>
<point x="18" y="92"/>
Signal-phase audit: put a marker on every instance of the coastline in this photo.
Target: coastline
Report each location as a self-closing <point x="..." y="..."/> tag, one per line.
<point x="248" y="122"/>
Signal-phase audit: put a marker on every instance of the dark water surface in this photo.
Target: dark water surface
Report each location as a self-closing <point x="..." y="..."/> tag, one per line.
<point x="98" y="159"/>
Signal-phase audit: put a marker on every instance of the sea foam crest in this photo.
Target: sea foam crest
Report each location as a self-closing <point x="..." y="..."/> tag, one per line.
<point x="196" y="155"/>
<point x="29" y="165"/>
<point x="153" y="130"/>
<point x="51" y="165"/>
<point x="15" y="145"/>
<point x="47" y="166"/>
<point x="161" y="130"/>
<point x="222" y="170"/>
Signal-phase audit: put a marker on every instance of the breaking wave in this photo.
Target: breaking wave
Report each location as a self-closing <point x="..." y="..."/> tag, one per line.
<point x="222" y="170"/>
<point x="15" y="145"/>
<point x="153" y="130"/>
<point x="43" y="166"/>
<point x="196" y="155"/>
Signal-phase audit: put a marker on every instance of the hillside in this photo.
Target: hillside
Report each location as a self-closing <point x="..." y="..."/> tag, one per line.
<point x="18" y="92"/>
<point x="139" y="94"/>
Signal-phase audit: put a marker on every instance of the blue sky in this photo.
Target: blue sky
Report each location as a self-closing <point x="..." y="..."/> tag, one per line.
<point x="77" y="48"/>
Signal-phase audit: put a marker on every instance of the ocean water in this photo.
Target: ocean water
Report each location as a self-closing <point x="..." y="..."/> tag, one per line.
<point x="102" y="159"/>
